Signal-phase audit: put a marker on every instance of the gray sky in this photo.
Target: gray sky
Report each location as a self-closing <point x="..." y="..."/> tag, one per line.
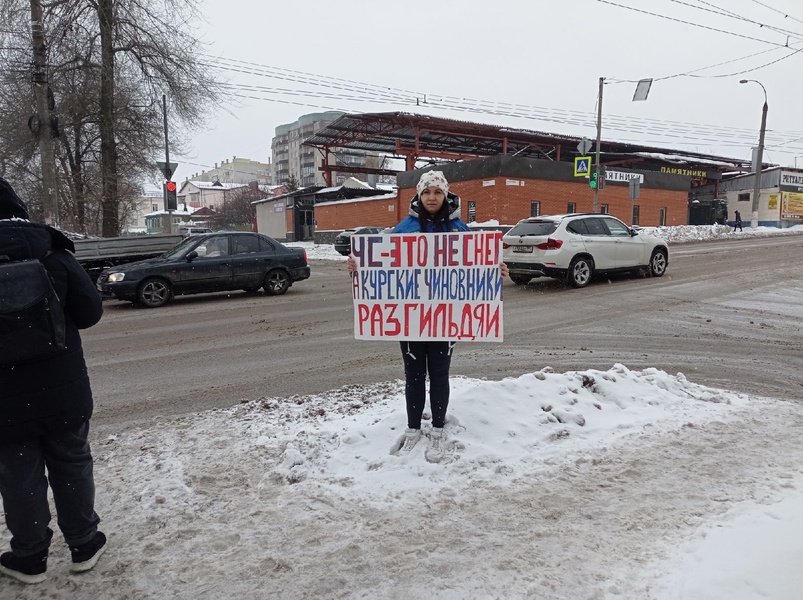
<point x="541" y="60"/>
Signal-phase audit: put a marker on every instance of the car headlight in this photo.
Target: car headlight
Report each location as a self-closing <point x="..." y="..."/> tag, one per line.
<point x="116" y="277"/>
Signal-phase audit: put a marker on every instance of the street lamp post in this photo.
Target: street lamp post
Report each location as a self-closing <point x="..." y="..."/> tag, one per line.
<point x="759" y="155"/>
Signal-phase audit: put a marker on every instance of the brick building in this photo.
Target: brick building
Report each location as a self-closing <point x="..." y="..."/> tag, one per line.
<point x="507" y="189"/>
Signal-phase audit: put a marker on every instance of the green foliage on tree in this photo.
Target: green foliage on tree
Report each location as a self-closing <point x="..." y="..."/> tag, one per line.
<point x="291" y="184"/>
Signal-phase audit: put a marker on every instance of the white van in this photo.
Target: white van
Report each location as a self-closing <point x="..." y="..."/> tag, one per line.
<point x="188" y="230"/>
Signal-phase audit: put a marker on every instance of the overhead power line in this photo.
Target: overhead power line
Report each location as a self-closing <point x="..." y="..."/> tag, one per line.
<point x="732" y="15"/>
<point x="691" y="72"/>
<point x="343" y="91"/>
<point x="786" y="16"/>
<point x="692" y="23"/>
<point x="735" y="73"/>
<point x="323" y="92"/>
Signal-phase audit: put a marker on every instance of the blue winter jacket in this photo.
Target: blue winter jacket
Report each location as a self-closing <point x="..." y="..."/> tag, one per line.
<point x="412" y="223"/>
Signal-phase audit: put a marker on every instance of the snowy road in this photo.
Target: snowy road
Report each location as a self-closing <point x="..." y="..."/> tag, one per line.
<point x="724" y="314"/>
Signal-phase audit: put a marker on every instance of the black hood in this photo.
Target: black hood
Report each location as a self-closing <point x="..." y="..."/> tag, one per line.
<point x="11" y="206"/>
<point x="20" y="239"/>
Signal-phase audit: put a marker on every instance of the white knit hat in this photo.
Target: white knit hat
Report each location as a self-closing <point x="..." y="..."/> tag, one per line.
<point x="434" y="179"/>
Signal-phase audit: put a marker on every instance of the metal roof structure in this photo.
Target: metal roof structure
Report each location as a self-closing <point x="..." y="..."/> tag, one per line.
<point x="415" y="137"/>
<point x="322" y="194"/>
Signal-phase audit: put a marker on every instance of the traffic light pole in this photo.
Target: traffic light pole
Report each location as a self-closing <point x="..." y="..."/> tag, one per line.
<point x="599" y="139"/>
<point x="167" y="227"/>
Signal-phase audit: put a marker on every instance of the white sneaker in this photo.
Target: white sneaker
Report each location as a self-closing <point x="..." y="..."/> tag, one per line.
<point x="411" y="437"/>
<point x="434" y="451"/>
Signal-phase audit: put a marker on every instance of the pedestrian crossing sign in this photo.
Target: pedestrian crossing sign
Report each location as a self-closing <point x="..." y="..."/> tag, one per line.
<point x="582" y="166"/>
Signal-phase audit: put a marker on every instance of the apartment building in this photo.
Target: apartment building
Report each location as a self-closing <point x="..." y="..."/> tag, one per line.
<point x="238" y="170"/>
<point x="292" y="160"/>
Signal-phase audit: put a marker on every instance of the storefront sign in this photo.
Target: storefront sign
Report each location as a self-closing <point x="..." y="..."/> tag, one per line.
<point x="622" y="176"/>
<point x="791" y="182"/>
<point x="682" y="171"/>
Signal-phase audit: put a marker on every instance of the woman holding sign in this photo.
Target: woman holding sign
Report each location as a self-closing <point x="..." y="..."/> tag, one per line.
<point x="432" y="210"/>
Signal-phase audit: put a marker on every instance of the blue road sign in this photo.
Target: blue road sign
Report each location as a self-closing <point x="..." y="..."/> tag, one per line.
<point x="582" y="166"/>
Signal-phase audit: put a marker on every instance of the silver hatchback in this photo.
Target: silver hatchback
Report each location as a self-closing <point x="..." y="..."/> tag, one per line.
<point x="575" y="247"/>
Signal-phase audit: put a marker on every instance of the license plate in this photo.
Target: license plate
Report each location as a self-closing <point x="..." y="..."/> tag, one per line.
<point x="522" y="249"/>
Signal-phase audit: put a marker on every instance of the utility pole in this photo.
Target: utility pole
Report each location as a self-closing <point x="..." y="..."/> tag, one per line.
<point x="599" y="139"/>
<point x="110" y="199"/>
<point x="759" y="159"/>
<point x="759" y="155"/>
<point x="41" y="124"/>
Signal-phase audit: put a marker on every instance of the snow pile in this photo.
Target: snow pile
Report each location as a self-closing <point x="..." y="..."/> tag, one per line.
<point x="556" y="485"/>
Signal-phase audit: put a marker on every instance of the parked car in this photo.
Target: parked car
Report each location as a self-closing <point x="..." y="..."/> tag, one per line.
<point x="575" y="247"/>
<point x="343" y="239"/>
<point x="210" y="262"/>
<point x="187" y="231"/>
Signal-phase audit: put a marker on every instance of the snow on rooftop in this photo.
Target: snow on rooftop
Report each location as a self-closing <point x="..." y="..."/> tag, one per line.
<point x="216" y="185"/>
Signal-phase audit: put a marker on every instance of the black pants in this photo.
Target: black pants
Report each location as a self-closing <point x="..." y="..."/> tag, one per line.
<point x="23" y="485"/>
<point x="739" y="225"/>
<point x="421" y="358"/>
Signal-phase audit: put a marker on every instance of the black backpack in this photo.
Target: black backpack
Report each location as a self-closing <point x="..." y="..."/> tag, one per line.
<point x="31" y="316"/>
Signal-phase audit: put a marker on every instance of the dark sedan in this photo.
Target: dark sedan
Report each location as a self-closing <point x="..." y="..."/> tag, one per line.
<point x="343" y="239"/>
<point x="212" y="262"/>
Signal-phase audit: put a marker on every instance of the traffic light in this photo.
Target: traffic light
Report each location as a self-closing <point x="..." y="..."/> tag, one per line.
<point x="592" y="180"/>
<point x="171" y="203"/>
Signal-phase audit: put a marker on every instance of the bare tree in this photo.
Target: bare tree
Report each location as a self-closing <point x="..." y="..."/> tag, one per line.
<point x="139" y="36"/>
<point x="237" y="210"/>
<point x="109" y="63"/>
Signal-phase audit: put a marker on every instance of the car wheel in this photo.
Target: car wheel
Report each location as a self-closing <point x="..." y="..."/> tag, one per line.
<point x="154" y="292"/>
<point x="658" y="263"/>
<point x="580" y="271"/>
<point x="276" y="282"/>
<point x="520" y="279"/>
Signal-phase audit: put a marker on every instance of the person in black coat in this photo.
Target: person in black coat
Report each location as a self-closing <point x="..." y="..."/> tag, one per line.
<point x="45" y="407"/>
<point x="738" y="221"/>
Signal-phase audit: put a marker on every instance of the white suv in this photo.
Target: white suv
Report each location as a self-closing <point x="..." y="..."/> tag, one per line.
<point x="574" y="247"/>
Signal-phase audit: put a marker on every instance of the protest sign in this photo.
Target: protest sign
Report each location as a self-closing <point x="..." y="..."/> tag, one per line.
<point x="441" y="286"/>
